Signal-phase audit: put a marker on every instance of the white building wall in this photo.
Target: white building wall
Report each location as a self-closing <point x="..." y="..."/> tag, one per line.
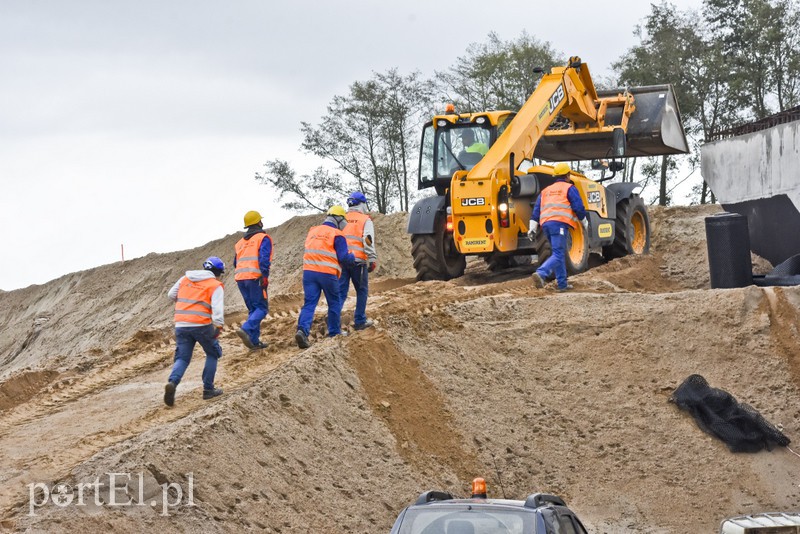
<point x="753" y="166"/>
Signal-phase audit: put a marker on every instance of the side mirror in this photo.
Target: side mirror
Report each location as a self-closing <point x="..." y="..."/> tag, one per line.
<point x="615" y="166"/>
<point x="599" y="164"/>
<point x="618" y="143"/>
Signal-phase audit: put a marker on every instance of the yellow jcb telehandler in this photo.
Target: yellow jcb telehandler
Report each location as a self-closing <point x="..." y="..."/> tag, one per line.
<point x="481" y="167"/>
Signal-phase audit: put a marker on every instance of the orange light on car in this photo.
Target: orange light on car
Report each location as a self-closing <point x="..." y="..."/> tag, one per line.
<point x="450" y="108"/>
<point x="449" y="224"/>
<point x="479" y="488"/>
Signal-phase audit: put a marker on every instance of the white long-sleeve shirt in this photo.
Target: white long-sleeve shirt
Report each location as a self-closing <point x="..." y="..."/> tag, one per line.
<point x="369" y="233"/>
<point x="217" y="298"/>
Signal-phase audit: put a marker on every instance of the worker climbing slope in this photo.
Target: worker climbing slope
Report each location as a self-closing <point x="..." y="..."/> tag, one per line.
<point x="252" y="262"/>
<point x="559" y="207"/>
<point x="199" y="317"/>
<point x="360" y="235"/>
<point x="325" y="254"/>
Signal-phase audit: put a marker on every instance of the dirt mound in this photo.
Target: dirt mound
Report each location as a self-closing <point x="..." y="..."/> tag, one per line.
<point x="77" y="319"/>
<point x="23" y="386"/>
<point x="480" y="376"/>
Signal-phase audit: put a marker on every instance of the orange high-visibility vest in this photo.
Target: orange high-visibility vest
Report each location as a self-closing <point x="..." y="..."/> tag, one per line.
<point x="247" y="251"/>
<point x="555" y="205"/>
<point x="320" y="254"/>
<point x="194" y="300"/>
<point x="354" y="233"/>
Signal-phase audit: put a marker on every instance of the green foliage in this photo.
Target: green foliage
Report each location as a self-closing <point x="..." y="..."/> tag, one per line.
<point x="317" y="191"/>
<point x="496" y="74"/>
<point x="369" y="137"/>
<point x="732" y="62"/>
<point x="669" y="40"/>
<point x="760" y="41"/>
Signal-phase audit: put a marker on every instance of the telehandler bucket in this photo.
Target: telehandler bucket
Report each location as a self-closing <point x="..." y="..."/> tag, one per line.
<point x="654" y="129"/>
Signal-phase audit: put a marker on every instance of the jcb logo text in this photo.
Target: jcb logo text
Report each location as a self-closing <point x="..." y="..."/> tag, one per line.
<point x="473" y="201"/>
<point x="557" y="97"/>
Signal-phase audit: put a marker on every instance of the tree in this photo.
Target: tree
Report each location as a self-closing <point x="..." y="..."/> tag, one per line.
<point x="406" y="106"/>
<point x="760" y="41"/>
<point x="368" y="137"/>
<point x="668" y="40"/>
<point x="496" y="74"/>
<point x="316" y="191"/>
<point x="787" y="59"/>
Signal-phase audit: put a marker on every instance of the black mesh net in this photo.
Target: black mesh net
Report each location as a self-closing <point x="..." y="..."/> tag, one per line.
<point x="718" y="413"/>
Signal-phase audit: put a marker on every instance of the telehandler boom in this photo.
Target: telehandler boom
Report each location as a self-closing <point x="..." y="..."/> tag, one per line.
<point x="484" y="201"/>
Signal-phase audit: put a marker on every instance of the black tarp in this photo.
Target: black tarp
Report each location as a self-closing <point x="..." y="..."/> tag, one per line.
<point x="718" y="413"/>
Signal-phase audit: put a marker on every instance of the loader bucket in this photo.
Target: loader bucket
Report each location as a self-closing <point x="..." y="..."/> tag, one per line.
<point x="654" y="129"/>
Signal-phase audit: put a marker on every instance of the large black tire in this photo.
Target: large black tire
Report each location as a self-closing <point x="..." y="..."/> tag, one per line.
<point x="520" y="261"/>
<point x="632" y="234"/>
<point x="577" y="253"/>
<point x="435" y="255"/>
<point x="497" y="262"/>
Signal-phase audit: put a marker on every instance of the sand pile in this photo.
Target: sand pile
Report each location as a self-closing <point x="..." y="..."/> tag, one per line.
<point x="480" y="376"/>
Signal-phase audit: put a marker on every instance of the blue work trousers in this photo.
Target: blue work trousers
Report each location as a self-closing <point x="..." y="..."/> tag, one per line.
<point x="360" y="278"/>
<point x="556" y="264"/>
<point x="314" y="284"/>
<point x="185" y="339"/>
<point x="257" y="307"/>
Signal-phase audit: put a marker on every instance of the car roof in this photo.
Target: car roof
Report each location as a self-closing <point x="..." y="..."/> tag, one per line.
<point x="516" y="505"/>
<point x="534" y="500"/>
<point x="502" y="502"/>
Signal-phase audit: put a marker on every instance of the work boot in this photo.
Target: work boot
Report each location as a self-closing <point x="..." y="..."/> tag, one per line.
<point x="211" y="393"/>
<point x="537" y="280"/>
<point x="245" y="337"/>
<point x="367" y="324"/>
<point x="169" y="393"/>
<point x="302" y="339"/>
<point x="259" y="346"/>
<point x="567" y="288"/>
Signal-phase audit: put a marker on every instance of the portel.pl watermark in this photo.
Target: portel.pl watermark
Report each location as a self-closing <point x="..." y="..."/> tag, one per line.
<point x="115" y="490"/>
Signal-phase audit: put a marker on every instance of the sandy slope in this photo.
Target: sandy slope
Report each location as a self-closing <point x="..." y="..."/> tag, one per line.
<point x="483" y="375"/>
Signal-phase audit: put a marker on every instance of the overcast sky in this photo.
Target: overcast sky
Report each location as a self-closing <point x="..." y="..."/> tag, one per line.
<point x="142" y="123"/>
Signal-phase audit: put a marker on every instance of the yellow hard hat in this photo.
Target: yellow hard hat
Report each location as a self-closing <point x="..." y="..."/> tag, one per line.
<point x="251" y="218"/>
<point x="338" y="211"/>
<point x="561" y="168"/>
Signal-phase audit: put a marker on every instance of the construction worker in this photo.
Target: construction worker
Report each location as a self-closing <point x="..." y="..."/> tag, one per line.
<point x="251" y="272"/>
<point x="559" y="208"/>
<point x="325" y="254"/>
<point x="199" y="318"/>
<point x="470" y="146"/>
<point x="360" y="235"/>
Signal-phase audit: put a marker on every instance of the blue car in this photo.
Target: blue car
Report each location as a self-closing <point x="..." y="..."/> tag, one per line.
<point x="436" y="512"/>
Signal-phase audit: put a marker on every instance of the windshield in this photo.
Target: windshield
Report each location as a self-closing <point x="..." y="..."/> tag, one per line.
<point x="472" y="520"/>
<point x="454" y="148"/>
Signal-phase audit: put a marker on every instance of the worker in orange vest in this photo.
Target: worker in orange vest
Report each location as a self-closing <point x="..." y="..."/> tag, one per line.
<point x="199" y="317"/>
<point x="325" y="254"/>
<point x="360" y="234"/>
<point x="251" y="272"/>
<point x="559" y="208"/>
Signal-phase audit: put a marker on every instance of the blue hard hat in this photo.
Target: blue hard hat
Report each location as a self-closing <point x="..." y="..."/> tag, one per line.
<point x="356" y="198"/>
<point x="214" y="264"/>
